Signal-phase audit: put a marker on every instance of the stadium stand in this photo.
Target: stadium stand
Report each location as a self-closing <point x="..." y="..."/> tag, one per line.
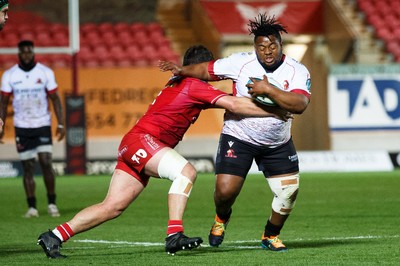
<point x="384" y="17"/>
<point x="168" y="27"/>
<point x="368" y="47"/>
<point x="103" y="44"/>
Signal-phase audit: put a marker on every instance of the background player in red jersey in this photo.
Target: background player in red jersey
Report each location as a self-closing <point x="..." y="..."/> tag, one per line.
<point x="147" y="150"/>
<point x="32" y="85"/>
<point x="265" y="140"/>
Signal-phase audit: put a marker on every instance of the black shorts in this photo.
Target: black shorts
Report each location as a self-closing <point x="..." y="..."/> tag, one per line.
<point x="32" y="138"/>
<point x="235" y="157"/>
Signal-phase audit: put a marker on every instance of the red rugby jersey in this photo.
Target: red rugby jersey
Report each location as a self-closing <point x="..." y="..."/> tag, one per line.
<point x="176" y="107"/>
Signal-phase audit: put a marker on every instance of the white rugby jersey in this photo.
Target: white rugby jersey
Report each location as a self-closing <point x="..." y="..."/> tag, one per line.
<point x="239" y="67"/>
<point x="30" y="90"/>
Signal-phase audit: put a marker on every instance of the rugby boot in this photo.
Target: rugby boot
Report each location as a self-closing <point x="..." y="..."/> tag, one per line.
<point x="273" y="243"/>
<point x="51" y="245"/>
<point x="217" y="232"/>
<point x="179" y="241"/>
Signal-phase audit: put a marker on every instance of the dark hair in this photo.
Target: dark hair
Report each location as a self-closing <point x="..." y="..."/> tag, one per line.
<point x="3" y="3"/>
<point x="197" y="54"/>
<point x="265" y="26"/>
<point x="25" y="43"/>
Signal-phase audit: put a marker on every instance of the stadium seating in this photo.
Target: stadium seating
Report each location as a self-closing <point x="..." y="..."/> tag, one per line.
<point x="384" y="16"/>
<point x="102" y="45"/>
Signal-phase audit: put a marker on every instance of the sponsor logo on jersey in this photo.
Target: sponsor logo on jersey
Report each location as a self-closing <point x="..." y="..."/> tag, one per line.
<point x="308" y="84"/>
<point x="122" y="151"/>
<point x="44" y="139"/>
<point x="230" y="153"/>
<point x="285" y="85"/>
<point x="293" y="158"/>
<point x="150" y="141"/>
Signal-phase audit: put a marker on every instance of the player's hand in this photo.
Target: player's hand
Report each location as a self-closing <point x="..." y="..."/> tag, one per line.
<point x="258" y="87"/>
<point x="60" y="133"/>
<point x="169" y="66"/>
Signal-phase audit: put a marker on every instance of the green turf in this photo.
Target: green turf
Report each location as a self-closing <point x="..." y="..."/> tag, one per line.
<point x="339" y="219"/>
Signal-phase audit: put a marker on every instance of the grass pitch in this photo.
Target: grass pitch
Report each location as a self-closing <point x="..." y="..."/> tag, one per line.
<point x="339" y="219"/>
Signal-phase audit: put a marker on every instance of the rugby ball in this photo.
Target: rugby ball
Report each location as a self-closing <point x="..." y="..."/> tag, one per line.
<point x="263" y="99"/>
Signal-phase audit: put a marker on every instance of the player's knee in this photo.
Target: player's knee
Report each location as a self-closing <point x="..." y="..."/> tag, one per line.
<point x="222" y="194"/>
<point x="112" y="209"/>
<point x="172" y="165"/>
<point x="190" y="172"/>
<point x="177" y="169"/>
<point x="225" y="194"/>
<point x="181" y="186"/>
<point x="227" y="188"/>
<point x="285" y="191"/>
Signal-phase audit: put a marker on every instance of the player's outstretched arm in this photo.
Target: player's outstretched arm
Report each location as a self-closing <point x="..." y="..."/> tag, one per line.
<point x="199" y="71"/>
<point x="248" y="107"/>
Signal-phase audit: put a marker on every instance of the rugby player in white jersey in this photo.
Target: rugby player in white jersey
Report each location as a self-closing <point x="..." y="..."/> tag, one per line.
<point x="147" y="150"/>
<point x="266" y="140"/>
<point x="30" y="84"/>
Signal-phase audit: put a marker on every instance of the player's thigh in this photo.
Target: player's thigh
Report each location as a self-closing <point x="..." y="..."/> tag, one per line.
<point x="134" y="153"/>
<point x="123" y="189"/>
<point x="279" y="161"/>
<point x="234" y="157"/>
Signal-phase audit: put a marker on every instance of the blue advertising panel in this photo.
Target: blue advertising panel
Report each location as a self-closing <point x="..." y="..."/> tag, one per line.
<point x="368" y="101"/>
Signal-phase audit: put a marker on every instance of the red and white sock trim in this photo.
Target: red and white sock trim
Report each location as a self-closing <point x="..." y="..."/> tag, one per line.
<point x="64" y="232"/>
<point x="174" y="226"/>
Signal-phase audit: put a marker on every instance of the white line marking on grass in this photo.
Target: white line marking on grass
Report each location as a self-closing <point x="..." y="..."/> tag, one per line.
<point x="145" y="244"/>
<point x="155" y="244"/>
<point x="358" y="237"/>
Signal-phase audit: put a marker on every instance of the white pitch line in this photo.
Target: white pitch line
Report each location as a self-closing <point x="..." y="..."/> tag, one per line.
<point x="146" y="244"/>
<point x="155" y="244"/>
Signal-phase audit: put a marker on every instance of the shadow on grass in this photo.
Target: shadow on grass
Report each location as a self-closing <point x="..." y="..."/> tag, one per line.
<point x="124" y="251"/>
<point x="16" y="250"/>
<point x="300" y="244"/>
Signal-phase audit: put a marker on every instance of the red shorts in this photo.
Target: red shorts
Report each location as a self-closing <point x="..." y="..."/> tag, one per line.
<point x="135" y="150"/>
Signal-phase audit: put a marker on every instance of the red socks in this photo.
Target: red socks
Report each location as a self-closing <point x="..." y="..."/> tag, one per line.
<point x="174" y="226"/>
<point x="64" y="232"/>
